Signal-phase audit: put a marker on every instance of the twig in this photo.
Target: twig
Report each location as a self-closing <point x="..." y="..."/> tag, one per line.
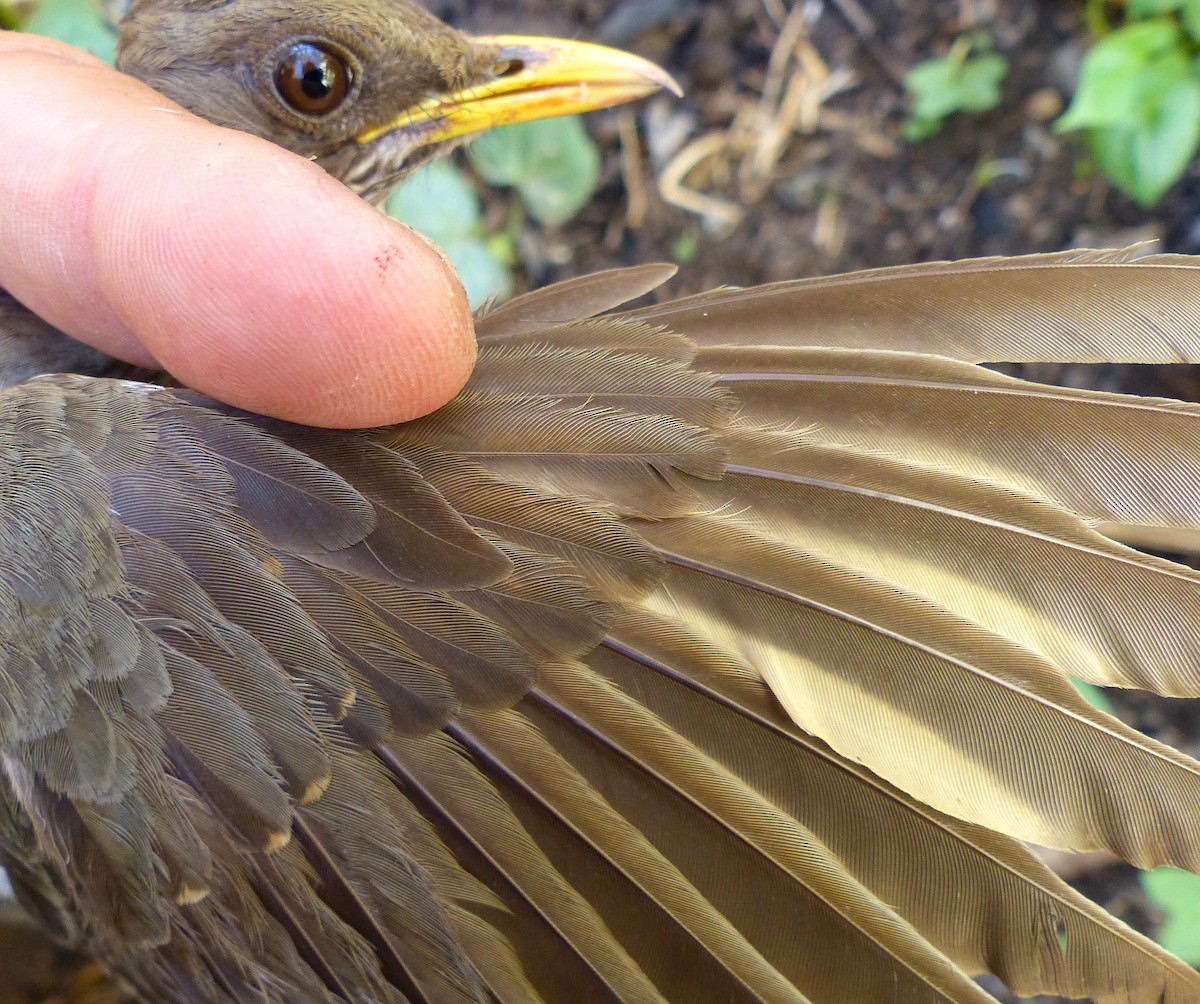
<point x="631" y="170"/>
<point x="717" y="213"/>
<point x="776" y="11"/>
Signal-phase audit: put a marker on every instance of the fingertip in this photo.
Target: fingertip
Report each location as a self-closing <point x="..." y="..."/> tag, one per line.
<point x="247" y="272"/>
<point x="423" y="333"/>
<point x="401" y="345"/>
<point x="264" y="282"/>
<point x="18" y="42"/>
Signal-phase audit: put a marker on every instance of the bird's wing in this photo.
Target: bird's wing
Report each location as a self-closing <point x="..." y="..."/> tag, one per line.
<point x="638" y="673"/>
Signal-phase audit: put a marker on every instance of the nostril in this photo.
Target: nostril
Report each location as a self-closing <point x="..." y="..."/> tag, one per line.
<point x="507" y="67"/>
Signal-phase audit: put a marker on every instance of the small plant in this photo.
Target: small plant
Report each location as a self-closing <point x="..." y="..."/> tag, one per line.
<point x="82" y="23"/>
<point x="1139" y="96"/>
<point x="966" y="79"/>
<point x="553" y="163"/>
<point x="554" y="166"/>
<point x="1177" y="894"/>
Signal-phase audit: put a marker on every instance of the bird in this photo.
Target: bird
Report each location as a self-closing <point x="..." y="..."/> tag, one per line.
<point x="718" y="650"/>
<point x="369" y="90"/>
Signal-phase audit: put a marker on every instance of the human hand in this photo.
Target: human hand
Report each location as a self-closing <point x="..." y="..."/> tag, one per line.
<point x="243" y="270"/>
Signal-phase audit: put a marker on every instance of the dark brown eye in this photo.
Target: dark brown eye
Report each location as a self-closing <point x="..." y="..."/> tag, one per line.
<point x="312" y="80"/>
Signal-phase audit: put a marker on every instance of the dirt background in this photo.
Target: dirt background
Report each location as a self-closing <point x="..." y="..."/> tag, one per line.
<point x="786" y="145"/>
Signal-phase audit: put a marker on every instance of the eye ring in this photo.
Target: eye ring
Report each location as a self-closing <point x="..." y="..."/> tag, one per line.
<point x="312" y="79"/>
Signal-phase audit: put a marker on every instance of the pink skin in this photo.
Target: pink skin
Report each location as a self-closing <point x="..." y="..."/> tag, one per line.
<point x="245" y="271"/>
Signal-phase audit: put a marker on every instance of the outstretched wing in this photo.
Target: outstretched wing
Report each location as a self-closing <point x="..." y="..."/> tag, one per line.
<point x="641" y="672"/>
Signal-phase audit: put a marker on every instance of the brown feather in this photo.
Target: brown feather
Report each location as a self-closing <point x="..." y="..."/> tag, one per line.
<point x="572" y="300"/>
<point x="1071" y="306"/>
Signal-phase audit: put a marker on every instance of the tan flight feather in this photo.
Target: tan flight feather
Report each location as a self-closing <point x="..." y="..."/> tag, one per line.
<point x="1070" y="306"/>
<point x="970" y="722"/>
<point x="1050" y="580"/>
<point x="450" y="784"/>
<point x="776" y="877"/>
<point x="950" y="415"/>
<point x="1047" y="937"/>
<point x="696" y="931"/>
<point x="570" y="301"/>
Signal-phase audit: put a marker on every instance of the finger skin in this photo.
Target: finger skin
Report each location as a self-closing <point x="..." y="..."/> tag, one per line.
<point x="246" y="272"/>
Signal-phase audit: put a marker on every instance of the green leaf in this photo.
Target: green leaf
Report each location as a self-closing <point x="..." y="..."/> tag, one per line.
<point x="1095" y="696"/>
<point x="686" y="247"/>
<point x="1187" y="10"/>
<point x="81" y="23"/>
<point x="915" y="129"/>
<point x="1146" y="158"/>
<point x="438" y="201"/>
<point x="941" y="87"/>
<point x="1137" y="9"/>
<point x="553" y="164"/>
<point x="1124" y="75"/>
<point x="956" y="82"/>
<point x="1139" y="99"/>
<point x="1177" y="894"/>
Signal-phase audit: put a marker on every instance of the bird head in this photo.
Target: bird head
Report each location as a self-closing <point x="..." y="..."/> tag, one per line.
<point x="369" y="89"/>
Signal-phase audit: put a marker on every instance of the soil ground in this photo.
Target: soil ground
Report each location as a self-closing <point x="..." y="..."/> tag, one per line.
<point x="791" y="124"/>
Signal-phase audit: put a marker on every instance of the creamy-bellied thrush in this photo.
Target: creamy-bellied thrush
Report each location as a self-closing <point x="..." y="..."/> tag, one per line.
<point x="710" y="651"/>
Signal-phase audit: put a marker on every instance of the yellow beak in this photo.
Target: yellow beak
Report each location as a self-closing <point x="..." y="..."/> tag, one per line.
<point x="536" y="78"/>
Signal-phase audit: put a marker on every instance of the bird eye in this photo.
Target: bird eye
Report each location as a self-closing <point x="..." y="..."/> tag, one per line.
<point x="312" y="80"/>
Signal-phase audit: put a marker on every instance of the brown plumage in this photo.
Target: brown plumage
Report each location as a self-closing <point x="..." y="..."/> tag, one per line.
<point x="712" y="651"/>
